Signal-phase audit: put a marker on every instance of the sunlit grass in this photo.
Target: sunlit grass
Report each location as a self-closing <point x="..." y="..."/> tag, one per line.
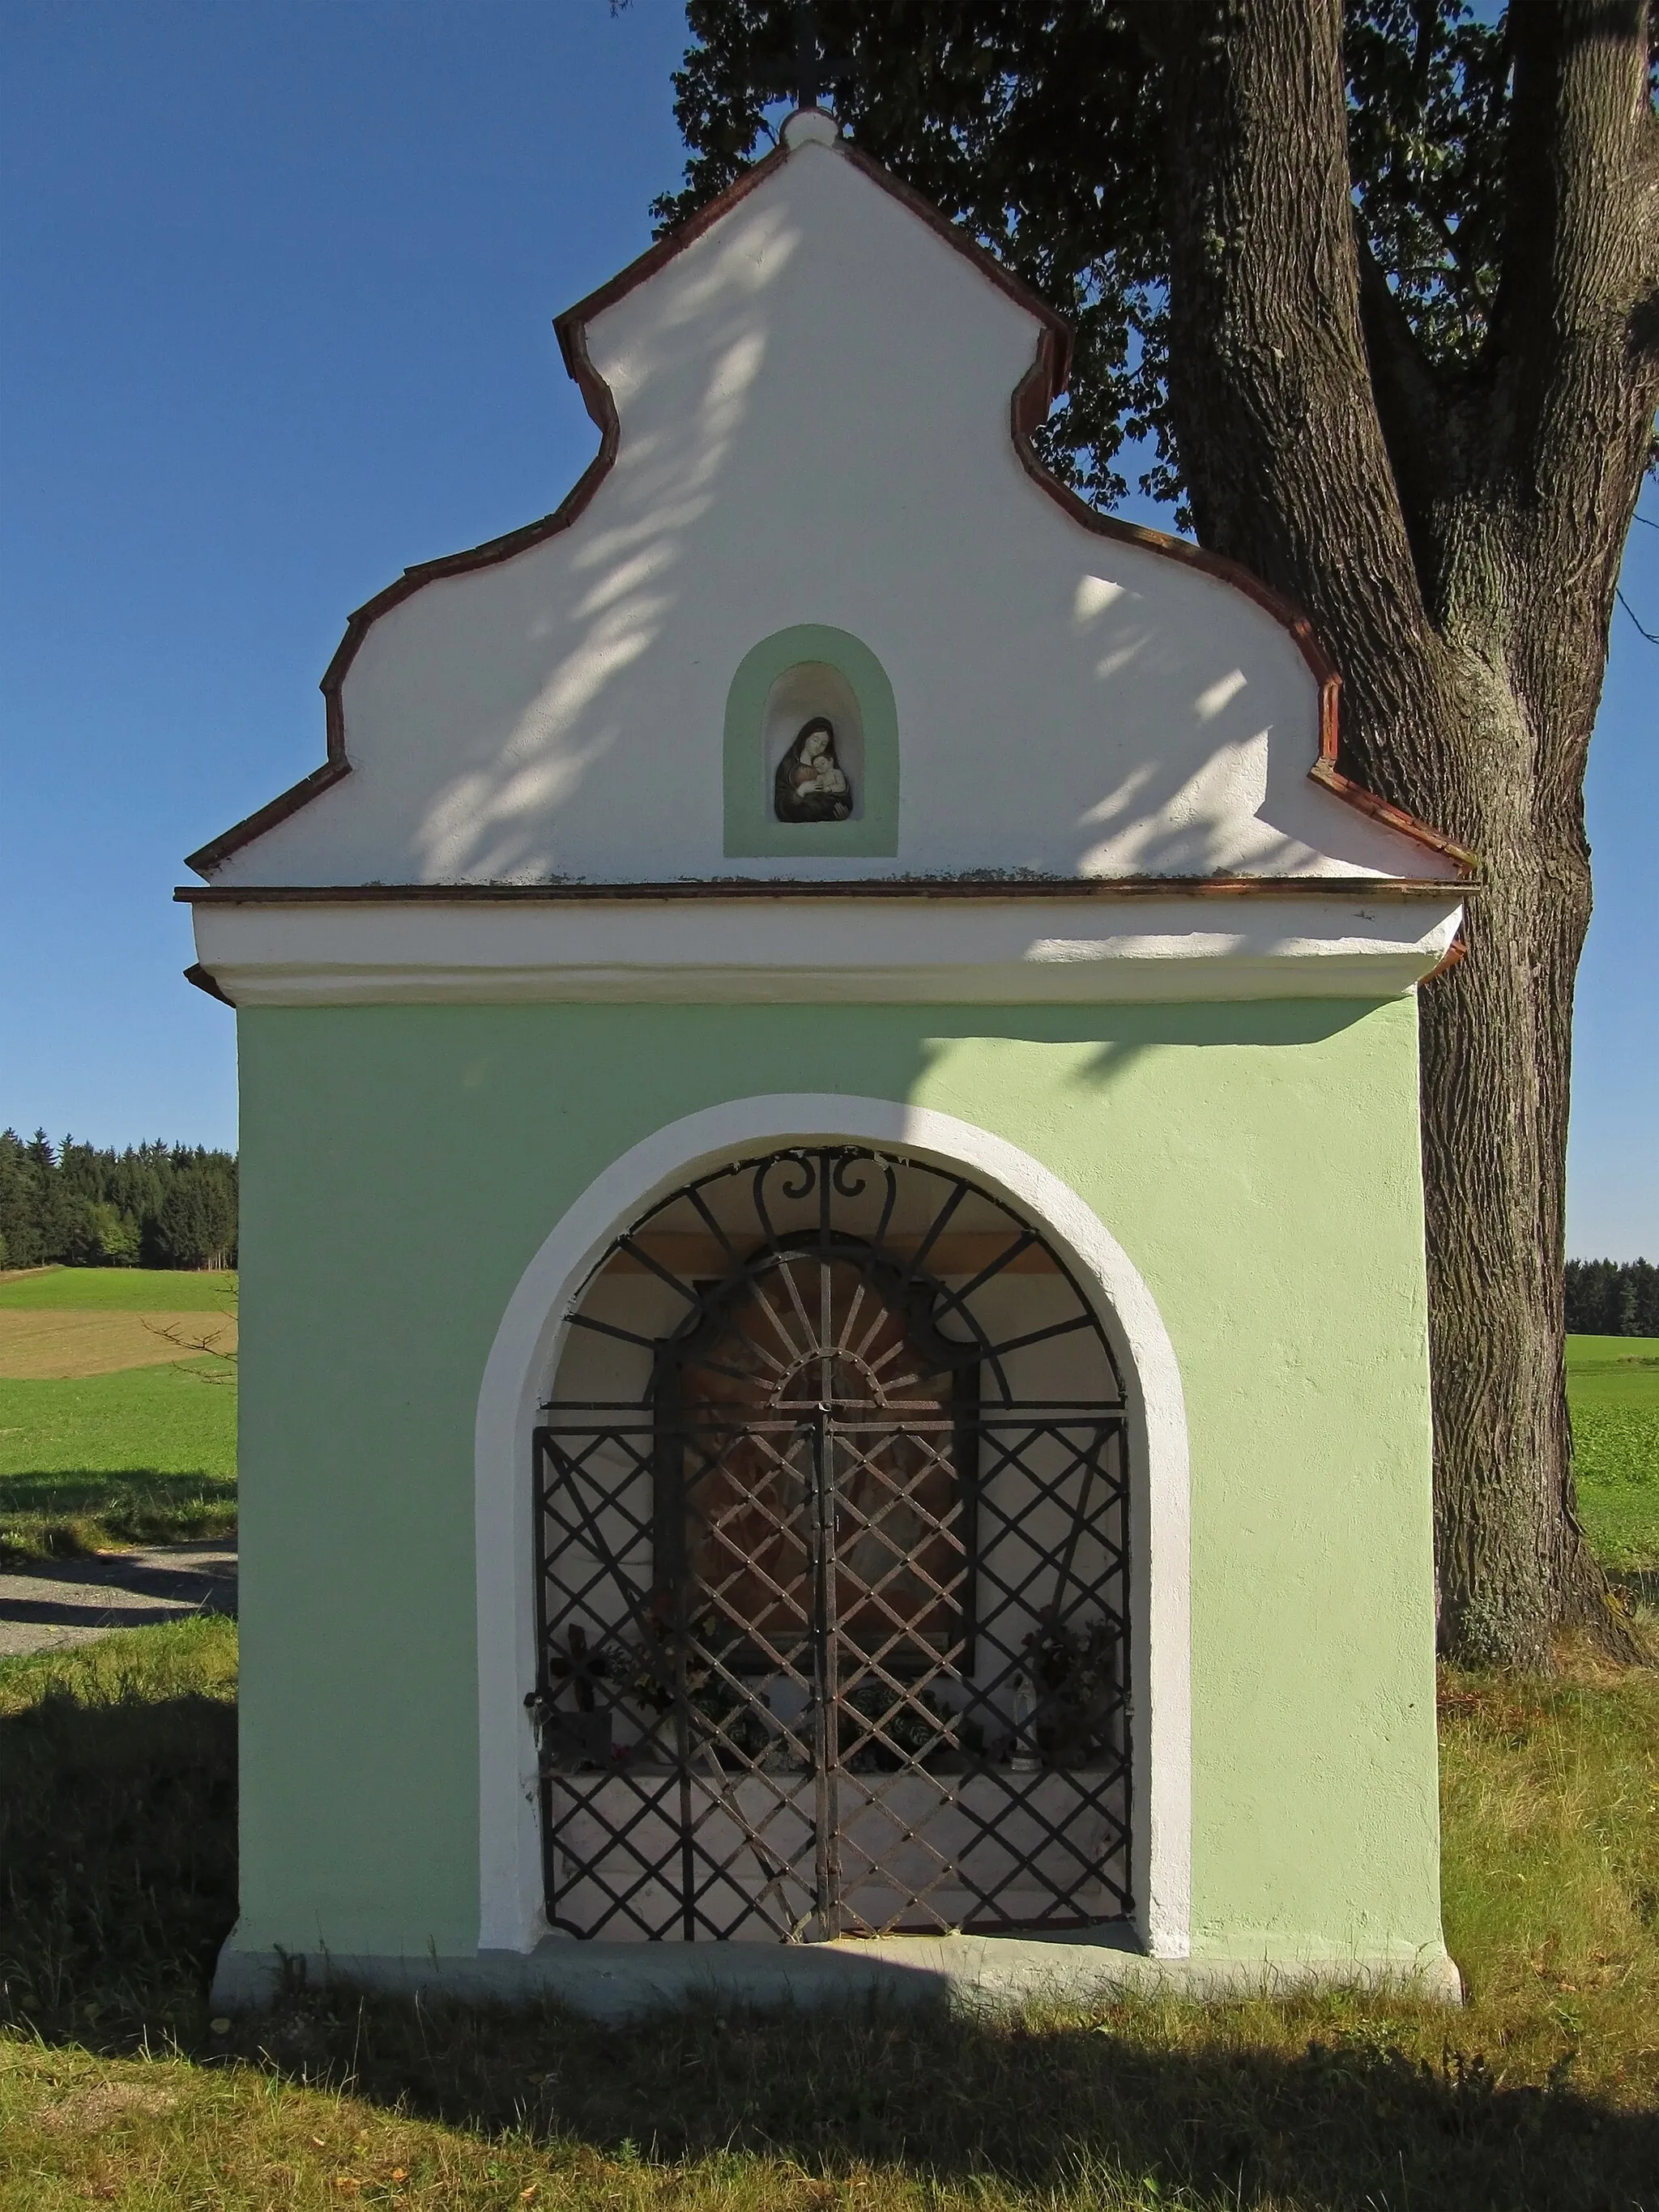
<point x="1613" y="1389"/>
<point x="148" y="1457"/>
<point x="122" y="1289"/>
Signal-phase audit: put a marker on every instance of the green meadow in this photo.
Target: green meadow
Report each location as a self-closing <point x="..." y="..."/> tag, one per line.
<point x="1613" y="1389"/>
<point x="147" y="1456"/>
<point x="120" y="1290"/>
<point x="144" y="1456"/>
<point x="149" y="1453"/>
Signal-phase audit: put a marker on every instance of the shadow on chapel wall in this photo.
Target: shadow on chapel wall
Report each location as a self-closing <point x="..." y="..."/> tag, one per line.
<point x="549" y="730"/>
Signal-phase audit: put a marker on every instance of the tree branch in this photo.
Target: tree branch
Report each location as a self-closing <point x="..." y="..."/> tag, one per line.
<point x="1580" y="262"/>
<point x="1410" y="403"/>
<point x="1567" y="432"/>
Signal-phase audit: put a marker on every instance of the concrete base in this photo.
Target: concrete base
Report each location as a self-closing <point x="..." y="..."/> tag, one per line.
<point x="621" y="1981"/>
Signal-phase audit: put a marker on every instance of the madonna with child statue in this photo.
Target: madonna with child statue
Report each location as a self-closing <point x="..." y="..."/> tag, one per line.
<point x="811" y="786"/>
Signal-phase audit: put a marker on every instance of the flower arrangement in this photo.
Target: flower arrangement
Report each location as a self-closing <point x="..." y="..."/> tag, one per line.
<point x="1072" y="1676"/>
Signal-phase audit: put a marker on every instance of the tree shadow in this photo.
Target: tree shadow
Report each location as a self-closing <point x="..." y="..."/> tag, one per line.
<point x="109" y="1591"/>
<point x="1348" y="2122"/>
<point x="78" y="1513"/>
<point x="118" y="1860"/>
<point x="91" y="1490"/>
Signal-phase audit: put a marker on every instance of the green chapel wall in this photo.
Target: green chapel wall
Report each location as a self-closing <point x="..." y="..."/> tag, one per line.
<point x="1259" y="1163"/>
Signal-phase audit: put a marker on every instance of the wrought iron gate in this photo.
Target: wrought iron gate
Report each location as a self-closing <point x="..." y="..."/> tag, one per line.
<point x="833" y="1611"/>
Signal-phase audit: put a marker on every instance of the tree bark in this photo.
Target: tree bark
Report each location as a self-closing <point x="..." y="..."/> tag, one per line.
<point x="1456" y="542"/>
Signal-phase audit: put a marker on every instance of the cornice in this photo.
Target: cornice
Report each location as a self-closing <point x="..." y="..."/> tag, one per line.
<point x="1345" y="889"/>
<point x="806" y="948"/>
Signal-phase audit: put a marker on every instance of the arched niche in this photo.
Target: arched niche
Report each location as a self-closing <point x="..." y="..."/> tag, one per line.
<point x="808" y="673"/>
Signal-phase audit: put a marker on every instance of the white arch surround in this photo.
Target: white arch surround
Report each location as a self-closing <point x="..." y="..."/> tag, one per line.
<point x="527" y="1345"/>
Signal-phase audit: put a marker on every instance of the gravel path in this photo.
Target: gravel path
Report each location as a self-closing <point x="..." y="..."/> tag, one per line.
<point x="66" y="1602"/>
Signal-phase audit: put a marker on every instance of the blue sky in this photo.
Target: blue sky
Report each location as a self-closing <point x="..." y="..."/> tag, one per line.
<point x="278" y="279"/>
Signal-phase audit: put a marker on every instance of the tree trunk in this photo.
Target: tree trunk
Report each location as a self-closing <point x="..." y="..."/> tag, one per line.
<point x="1457" y="548"/>
<point x="1512" y="1566"/>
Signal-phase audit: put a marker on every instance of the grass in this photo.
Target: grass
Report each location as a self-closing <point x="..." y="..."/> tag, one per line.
<point x="147" y="1456"/>
<point x="144" y="1456"/>
<point x="117" y="1880"/>
<point x="1613" y="1386"/>
<point x="120" y="1290"/>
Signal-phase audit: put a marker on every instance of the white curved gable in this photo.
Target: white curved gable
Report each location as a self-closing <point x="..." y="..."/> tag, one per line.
<point x="813" y="405"/>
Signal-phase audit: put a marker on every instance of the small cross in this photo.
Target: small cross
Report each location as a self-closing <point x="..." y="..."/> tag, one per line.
<point x="581" y="1668"/>
<point x="813" y="71"/>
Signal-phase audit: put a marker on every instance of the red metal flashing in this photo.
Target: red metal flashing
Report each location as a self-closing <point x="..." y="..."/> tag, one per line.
<point x="1032" y="399"/>
<point x="1456" y="952"/>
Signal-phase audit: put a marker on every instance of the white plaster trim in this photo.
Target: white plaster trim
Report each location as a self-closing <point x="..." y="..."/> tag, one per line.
<point x="524" y="1356"/>
<point x="946" y="951"/>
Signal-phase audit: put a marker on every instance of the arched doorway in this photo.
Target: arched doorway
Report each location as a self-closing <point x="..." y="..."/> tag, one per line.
<point x="832" y="1573"/>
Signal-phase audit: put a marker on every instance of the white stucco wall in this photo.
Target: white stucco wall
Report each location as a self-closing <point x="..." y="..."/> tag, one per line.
<point x="814" y="409"/>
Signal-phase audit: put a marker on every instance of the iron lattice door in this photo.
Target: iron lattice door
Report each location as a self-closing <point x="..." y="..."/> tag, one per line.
<point x="833" y="1633"/>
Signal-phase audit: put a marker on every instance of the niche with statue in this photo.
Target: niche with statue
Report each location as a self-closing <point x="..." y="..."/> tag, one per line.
<point x="813" y="735"/>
